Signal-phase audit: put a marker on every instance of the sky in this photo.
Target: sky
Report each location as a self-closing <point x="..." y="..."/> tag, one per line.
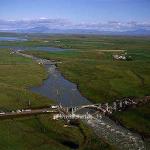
<point x="97" y="14"/>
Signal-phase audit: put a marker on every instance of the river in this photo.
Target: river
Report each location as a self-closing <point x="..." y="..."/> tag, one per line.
<point x="65" y="92"/>
<point x="56" y="87"/>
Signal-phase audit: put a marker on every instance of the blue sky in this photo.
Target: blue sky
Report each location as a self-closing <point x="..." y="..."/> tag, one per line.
<point x="77" y="12"/>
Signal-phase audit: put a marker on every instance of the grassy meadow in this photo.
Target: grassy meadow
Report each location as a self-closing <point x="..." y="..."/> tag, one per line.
<point x="38" y="132"/>
<point x="42" y="133"/>
<point x="107" y="79"/>
<point x="89" y="64"/>
<point x="17" y="74"/>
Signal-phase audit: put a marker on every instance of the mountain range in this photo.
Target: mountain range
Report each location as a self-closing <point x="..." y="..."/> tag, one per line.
<point x="44" y="29"/>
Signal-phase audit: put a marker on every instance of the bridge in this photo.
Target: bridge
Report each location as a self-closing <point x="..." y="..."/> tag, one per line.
<point x="106" y="108"/>
<point x="104" y="128"/>
<point x="103" y="109"/>
<point x="26" y="112"/>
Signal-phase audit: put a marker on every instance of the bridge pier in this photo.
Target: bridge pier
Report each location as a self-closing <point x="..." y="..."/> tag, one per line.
<point x="120" y="105"/>
<point x="67" y="109"/>
<point x="100" y="106"/>
<point x="114" y="106"/>
<point x="107" y="107"/>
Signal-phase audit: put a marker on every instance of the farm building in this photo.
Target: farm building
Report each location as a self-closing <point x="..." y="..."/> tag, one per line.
<point x="124" y="57"/>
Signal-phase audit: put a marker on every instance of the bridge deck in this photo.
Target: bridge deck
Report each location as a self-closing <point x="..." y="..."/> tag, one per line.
<point x="26" y="112"/>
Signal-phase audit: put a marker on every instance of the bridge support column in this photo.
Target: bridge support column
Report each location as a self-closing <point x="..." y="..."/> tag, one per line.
<point x="107" y="108"/>
<point x="72" y="110"/>
<point x="120" y="104"/>
<point x="75" y="109"/>
<point x="67" y="109"/>
<point x="100" y="105"/>
<point x="114" y="106"/>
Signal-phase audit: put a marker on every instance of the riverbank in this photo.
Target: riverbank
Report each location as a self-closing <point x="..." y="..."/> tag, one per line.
<point x="135" y="115"/>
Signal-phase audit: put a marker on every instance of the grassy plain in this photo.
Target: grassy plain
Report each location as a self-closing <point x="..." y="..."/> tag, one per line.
<point x="16" y="75"/>
<point x="101" y="79"/>
<point x="107" y="79"/>
<point x="39" y="132"/>
<point x="42" y="133"/>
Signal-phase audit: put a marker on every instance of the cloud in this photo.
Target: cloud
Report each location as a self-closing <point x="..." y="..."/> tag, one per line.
<point x="66" y="24"/>
<point x="115" y="26"/>
<point x="25" y="24"/>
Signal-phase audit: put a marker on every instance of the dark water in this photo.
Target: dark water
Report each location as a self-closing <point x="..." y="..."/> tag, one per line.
<point x="12" y="39"/>
<point x="42" y="48"/>
<point x="48" y="49"/>
<point x="56" y="87"/>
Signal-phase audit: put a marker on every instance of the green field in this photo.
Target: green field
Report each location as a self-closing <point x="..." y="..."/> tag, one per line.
<point x="42" y="133"/>
<point x="99" y="78"/>
<point x="107" y="79"/>
<point x="16" y="76"/>
<point x="38" y="132"/>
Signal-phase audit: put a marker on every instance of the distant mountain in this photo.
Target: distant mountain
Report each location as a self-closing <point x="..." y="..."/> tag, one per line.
<point x="39" y="29"/>
<point x="44" y="29"/>
<point x="138" y="32"/>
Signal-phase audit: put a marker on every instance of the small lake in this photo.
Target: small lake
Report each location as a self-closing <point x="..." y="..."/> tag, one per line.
<point x="12" y="39"/>
<point x="41" y="48"/>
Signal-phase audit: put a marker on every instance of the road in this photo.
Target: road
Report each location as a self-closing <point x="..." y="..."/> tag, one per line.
<point x="27" y="112"/>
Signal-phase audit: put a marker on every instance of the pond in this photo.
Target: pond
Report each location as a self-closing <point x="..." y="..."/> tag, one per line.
<point x="12" y="39"/>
